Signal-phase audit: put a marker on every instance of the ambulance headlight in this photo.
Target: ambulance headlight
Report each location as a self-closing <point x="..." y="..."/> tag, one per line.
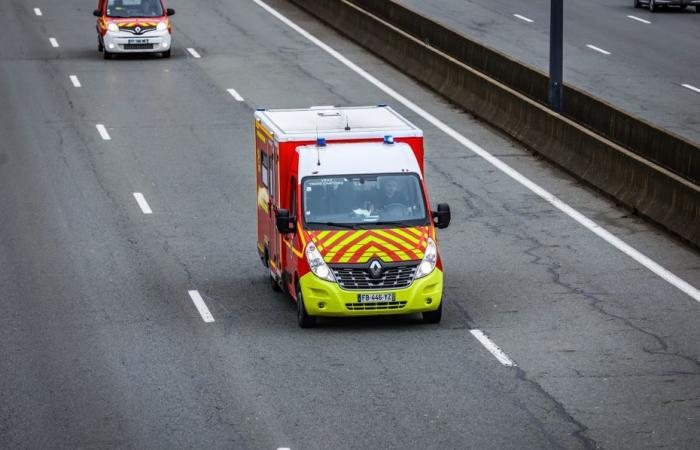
<point x="113" y="27"/>
<point x="162" y="26"/>
<point x="427" y="266"/>
<point x="317" y="264"/>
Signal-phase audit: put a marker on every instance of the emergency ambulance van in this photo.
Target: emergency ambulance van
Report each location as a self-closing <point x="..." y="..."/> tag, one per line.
<point x="344" y="219"/>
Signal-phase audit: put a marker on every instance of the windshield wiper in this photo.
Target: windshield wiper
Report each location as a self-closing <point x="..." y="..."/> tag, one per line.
<point x="392" y="223"/>
<point x="350" y="226"/>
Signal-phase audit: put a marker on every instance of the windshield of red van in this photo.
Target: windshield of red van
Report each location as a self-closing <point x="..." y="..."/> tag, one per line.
<point x="363" y="201"/>
<point x="134" y="8"/>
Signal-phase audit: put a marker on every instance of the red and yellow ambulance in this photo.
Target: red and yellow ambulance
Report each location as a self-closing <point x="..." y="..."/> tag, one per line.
<point x="344" y="219"/>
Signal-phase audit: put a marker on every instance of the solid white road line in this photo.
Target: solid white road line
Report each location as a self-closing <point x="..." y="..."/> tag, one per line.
<point x="523" y="18"/>
<point x="143" y="204"/>
<point x="493" y="348"/>
<point x="193" y="52"/>
<point x="692" y="88"/>
<point x="201" y="306"/>
<point x="37" y="11"/>
<point x="598" y="49"/>
<point x="103" y="132"/>
<point x="500" y="165"/>
<point x="235" y="95"/>
<point x="75" y="81"/>
<point x="639" y="20"/>
<point x="54" y="42"/>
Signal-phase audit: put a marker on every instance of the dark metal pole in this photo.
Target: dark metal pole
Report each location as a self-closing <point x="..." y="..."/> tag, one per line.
<point x="556" y="56"/>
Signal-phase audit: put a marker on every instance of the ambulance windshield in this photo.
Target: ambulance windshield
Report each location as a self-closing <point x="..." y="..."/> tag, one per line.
<point x="363" y="201"/>
<point x="134" y="8"/>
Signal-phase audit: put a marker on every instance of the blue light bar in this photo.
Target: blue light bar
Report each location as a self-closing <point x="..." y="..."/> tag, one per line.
<point x="389" y="139"/>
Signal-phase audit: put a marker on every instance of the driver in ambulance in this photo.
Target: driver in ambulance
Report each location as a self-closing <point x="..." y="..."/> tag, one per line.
<point x="388" y="194"/>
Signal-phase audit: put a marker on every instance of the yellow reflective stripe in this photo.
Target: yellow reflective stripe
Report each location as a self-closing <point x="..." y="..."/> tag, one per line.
<point x="260" y="127"/>
<point x="375" y="239"/>
<point x="352" y="236"/>
<point x="405" y="235"/>
<point x="396" y="240"/>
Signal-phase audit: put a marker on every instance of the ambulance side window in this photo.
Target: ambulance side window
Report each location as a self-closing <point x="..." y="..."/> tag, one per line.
<point x="264" y="169"/>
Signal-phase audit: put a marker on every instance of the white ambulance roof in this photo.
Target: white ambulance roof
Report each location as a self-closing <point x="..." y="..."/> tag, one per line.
<point x="359" y="158"/>
<point x="330" y="122"/>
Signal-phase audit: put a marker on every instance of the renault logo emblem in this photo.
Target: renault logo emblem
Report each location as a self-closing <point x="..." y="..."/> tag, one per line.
<point x="137" y="29"/>
<point x="375" y="269"/>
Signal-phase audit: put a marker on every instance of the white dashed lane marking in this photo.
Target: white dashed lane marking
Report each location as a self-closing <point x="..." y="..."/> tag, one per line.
<point x="692" y="88"/>
<point x="235" y="95"/>
<point x="103" y="132"/>
<point x="194" y="53"/>
<point x="639" y="20"/>
<point x="54" y="42"/>
<point x="76" y="82"/>
<point x="523" y="18"/>
<point x="37" y="11"/>
<point x="598" y="49"/>
<point x="201" y="306"/>
<point x="143" y="204"/>
<point x="492" y="348"/>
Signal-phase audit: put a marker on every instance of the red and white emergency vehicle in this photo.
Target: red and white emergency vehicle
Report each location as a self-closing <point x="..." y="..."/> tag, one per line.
<point x="344" y="219"/>
<point x="133" y="26"/>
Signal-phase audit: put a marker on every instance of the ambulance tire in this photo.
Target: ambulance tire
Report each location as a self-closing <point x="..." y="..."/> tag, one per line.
<point x="166" y="54"/>
<point x="433" y="316"/>
<point x="303" y="318"/>
<point x="106" y="54"/>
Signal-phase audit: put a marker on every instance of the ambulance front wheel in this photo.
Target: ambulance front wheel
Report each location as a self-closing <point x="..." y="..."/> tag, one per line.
<point x="304" y="319"/>
<point x="166" y="54"/>
<point x="433" y="316"/>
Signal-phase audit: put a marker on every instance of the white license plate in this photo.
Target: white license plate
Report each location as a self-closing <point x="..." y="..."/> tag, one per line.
<point x="376" y="298"/>
<point x="138" y="41"/>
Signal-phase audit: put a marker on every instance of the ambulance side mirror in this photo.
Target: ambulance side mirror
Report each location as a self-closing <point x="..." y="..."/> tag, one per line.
<point x="285" y="223"/>
<point x="96" y="13"/>
<point x="442" y="217"/>
<point x="170" y="12"/>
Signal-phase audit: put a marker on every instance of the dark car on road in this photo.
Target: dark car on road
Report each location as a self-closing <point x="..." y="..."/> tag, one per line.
<point x="654" y="5"/>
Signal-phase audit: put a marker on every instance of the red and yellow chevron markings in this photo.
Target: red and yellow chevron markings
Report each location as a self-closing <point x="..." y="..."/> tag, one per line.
<point x="360" y="246"/>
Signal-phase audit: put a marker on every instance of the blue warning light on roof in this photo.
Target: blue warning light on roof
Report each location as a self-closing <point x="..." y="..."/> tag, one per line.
<point x="320" y="142"/>
<point x="389" y="139"/>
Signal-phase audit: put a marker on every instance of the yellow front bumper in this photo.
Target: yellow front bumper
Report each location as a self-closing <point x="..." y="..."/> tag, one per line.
<point x="323" y="298"/>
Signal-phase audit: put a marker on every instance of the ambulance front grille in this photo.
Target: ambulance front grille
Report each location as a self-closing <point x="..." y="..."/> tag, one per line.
<point x="378" y="306"/>
<point x="359" y="278"/>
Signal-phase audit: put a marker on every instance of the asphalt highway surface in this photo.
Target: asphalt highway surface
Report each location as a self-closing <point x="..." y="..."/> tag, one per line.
<point x="135" y="313"/>
<point x="646" y="63"/>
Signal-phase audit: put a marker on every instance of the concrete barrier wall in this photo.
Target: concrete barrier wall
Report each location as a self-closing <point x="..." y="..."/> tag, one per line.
<point x="647" y="188"/>
<point x="656" y="144"/>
